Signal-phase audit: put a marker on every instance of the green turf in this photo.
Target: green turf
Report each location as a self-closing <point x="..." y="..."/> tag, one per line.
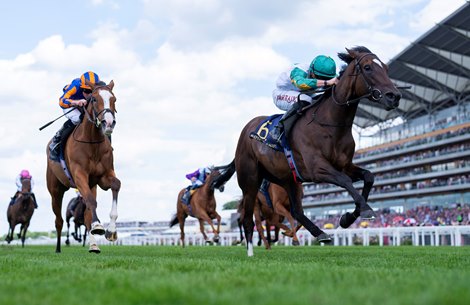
<point x="225" y="275"/>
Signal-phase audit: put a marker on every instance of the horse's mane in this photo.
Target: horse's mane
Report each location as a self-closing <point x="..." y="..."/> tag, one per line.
<point x="348" y="58"/>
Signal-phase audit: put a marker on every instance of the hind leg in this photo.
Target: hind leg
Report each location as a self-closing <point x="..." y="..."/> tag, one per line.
<point x="56" y="189"/>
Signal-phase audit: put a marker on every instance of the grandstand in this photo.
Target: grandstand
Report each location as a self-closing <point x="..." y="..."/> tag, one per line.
<point x="420" y="153"/>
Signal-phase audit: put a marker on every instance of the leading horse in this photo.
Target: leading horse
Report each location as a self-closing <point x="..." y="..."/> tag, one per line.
<point x="21" y="212"/>
<point x="322" y="145"/>
<point x="89" y="158"/>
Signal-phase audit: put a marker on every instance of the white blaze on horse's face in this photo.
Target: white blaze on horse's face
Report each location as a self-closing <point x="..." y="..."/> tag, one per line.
<point x="108" y="116"/>
<point x="378" y="62"/>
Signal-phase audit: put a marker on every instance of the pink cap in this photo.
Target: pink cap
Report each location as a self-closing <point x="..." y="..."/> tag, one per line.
<point x="25" y="174"/>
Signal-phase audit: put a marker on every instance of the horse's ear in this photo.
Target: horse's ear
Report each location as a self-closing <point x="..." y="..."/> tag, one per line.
<point x="111" y="84"/>
<point x="352" y="53"/>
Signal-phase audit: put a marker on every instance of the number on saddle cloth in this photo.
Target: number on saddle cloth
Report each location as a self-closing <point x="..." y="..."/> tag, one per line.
<point x="262" y="133"/>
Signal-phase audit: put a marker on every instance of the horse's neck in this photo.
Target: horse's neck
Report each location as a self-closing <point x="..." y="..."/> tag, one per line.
<point x="87" y="131"/>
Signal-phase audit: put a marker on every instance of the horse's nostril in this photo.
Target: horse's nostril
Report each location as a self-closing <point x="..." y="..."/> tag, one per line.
<point x="392" y="97"/>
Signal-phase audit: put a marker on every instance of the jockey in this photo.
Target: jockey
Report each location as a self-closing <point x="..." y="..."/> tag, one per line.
<point x="74" y="95"/>
<point x="291" y="86"/>
<point x="75" y="201"/>
<point x="24" y="174"/>
<point x="198" y="178"/>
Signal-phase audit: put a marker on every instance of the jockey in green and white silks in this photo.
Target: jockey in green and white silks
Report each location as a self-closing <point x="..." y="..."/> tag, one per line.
<point x="292" y="84"/>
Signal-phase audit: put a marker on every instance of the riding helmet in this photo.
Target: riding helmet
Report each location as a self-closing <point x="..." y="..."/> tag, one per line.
<point x="324" y="67"/>
<point x="92" y="77"/>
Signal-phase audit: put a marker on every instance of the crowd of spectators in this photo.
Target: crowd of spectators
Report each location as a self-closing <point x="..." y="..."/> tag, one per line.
<point x="457" y="214"/>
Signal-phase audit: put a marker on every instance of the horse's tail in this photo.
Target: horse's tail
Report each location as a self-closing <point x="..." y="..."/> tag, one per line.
<point x="226" y="171"/>
<point x="173" y="221"/>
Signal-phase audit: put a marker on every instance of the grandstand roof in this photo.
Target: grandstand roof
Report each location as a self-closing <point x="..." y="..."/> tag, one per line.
<point x="436" y="65"/>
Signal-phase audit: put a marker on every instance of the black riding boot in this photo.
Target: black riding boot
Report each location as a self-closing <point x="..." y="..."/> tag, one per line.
<point x="13" y="199"/>
<point x="34" y="200"/>
<point x="287" y="120"/>
<point x="60" y="138"/>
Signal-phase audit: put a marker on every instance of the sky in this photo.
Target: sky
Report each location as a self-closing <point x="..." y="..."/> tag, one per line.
<point x="188" y="74"/>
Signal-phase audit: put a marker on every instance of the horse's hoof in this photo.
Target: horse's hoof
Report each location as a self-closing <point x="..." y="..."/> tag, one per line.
<point x="324" y="238"/>
<point x="97" y="229"/>
<point x="94" y="249"/>
<point x="296" y="243"/>
<point x="367" y="214"/>
<point x="111" y="236"/>
<point x="347" y="220"/>
<point x="216" y="239"/>
<point x="288" y="233"/>
<point x="67" y="242"/>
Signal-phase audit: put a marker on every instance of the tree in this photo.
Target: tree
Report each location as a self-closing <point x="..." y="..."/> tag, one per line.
<point x="231" y="205"/>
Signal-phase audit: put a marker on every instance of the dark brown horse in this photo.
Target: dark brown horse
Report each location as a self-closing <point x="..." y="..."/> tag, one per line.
<point x="89" y="158"/>
<point x="202" y="205"/>
<point x="78" y="214"/>
<point x="21" y="211"/>
<point x="322" y="144"/>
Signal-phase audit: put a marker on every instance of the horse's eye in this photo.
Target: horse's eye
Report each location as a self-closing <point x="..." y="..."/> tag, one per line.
<point x="367" y="68"/>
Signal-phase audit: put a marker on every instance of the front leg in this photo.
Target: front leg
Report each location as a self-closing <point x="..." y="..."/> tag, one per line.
<point x="294" y="191"/>
<point x="114" y="183"/>
<point x="331" y="175"/>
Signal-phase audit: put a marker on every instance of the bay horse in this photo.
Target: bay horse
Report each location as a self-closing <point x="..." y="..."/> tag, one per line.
<point x="273" y="216"/>
<point x="21" y="211"/>
<point x="88" y="155"/>
<point x="202" y="205"/>
<point x="78" y="215"/>
<point x="322" y="145"/>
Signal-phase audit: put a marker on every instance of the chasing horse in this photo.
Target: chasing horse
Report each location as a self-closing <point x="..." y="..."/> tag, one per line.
<point x="87" y="162"/>
<point x="201" y="205"/>
<point x="272" y="205"/>
<point x="76" y="210"/>
<point x="320" y="146"/>
<point x="21" y="211"/>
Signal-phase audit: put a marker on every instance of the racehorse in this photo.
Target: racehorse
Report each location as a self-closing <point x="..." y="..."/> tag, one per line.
<point x="78" y="215"/>
<point x="321" y="142"/>
<point x="89" y="158"/>
<point x="273" y="215"/>
<point x="202" y="205"/>
<point x="21" y="211"/>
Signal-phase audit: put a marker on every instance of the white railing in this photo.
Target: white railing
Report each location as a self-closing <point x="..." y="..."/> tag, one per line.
<point x="395" y="236"/>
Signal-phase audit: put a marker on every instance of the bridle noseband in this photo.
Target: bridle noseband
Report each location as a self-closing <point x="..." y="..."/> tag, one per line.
<point x="373" y="93"/>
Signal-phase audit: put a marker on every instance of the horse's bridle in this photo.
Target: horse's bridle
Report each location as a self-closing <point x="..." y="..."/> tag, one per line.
<point x="96" y="115"/>
<point x="373" y="93"/>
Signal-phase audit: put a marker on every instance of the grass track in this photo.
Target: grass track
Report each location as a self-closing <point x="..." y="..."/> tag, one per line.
<point x="225" y="275"/>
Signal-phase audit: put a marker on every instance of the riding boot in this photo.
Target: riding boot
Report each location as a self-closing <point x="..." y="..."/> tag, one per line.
<point x="58" y="140"/>
<point x="13" y="199"/>
<point x="287" y="120"/>
<point x="34" y="200"/>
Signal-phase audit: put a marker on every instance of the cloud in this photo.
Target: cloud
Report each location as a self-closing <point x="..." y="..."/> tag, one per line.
<point x="188" y="75"/>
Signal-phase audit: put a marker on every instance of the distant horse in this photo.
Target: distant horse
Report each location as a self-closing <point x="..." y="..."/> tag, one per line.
<point x="78" y="215"/>
<point x="202" y="205"/>
<point x="89" y="158"/>
<point x="21" y="211"/>
<point x="322" y="145"/>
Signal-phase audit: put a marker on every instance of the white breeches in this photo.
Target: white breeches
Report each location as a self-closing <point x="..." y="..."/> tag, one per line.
<point x="284" y="99"/>
<point x="73" y="115"/>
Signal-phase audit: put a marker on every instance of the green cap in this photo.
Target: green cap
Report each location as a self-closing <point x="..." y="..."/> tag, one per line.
<point x="323" y="66"/>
